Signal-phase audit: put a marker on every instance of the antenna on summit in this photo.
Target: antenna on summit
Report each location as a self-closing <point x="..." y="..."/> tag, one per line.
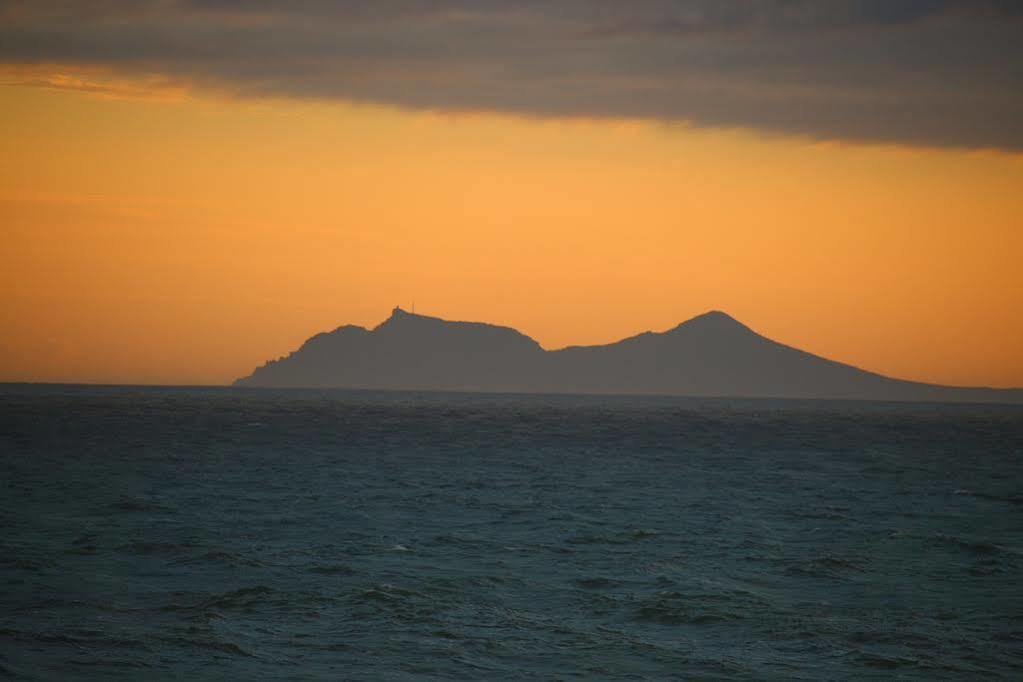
<point x="413" y="307"/>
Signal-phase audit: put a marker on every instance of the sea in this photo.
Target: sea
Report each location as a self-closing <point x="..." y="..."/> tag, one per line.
<point x="241" y="534"/>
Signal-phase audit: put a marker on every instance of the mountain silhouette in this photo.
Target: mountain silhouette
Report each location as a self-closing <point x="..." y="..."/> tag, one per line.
<point x="710" y="355"/>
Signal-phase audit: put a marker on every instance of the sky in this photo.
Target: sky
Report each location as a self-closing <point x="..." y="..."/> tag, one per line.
<point x="192" y="187"/>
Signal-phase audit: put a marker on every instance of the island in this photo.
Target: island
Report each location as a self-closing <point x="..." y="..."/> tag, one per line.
<point x="709" y="355"/>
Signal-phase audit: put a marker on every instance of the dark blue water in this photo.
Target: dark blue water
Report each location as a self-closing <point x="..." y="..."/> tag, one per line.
<point x="230" y="534"/>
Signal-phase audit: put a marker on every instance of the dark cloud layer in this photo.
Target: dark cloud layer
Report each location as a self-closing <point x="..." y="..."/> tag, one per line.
<point x="928" y="72"/>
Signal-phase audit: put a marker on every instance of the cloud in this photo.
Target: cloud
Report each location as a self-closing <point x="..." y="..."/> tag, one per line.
<point x="921" y="72"/>
<point x="97" y="83"/>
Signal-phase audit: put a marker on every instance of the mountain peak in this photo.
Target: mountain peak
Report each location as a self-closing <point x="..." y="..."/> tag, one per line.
<point x="713" y="320"/>
<point x="716" y="315"/>
<point x="400" y="315"/>
<point x="416" y="326"/>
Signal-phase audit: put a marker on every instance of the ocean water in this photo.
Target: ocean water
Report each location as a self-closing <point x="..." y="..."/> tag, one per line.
<point x="317" y="535"/>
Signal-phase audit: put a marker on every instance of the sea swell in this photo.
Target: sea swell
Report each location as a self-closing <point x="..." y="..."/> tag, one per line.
<point x="195" y="534"/>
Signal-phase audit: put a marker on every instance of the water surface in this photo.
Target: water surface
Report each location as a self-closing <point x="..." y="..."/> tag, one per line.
<point x="155" y="533"/>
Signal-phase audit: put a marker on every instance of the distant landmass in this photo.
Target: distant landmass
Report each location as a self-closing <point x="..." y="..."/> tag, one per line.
<point x="710" y="355"/>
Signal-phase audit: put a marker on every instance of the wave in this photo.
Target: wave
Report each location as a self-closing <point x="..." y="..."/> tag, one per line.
<point x="211" y="643"/>
<point x="623" y="538"/>
<point x="680" y="608"/>
<point x="147" y="548"/>
<point x="826" y="566"/>
<point x="245" y="597"/>
<point x="137" y="504"/>
<point x="1009" y="499"/>
<point x="598" y="583"/>
<point x="331" y="569"/>
<point x="219" y="557"/>
<point x="977" y="547"/>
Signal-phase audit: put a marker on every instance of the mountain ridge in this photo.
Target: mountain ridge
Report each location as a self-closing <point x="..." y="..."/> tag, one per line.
<point x="712" y="354"/>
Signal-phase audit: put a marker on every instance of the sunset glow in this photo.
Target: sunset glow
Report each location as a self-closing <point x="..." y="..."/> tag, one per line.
<point x="183" y="235"/>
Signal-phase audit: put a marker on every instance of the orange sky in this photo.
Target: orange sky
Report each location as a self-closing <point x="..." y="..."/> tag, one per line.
<point x="165" y="236"/>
